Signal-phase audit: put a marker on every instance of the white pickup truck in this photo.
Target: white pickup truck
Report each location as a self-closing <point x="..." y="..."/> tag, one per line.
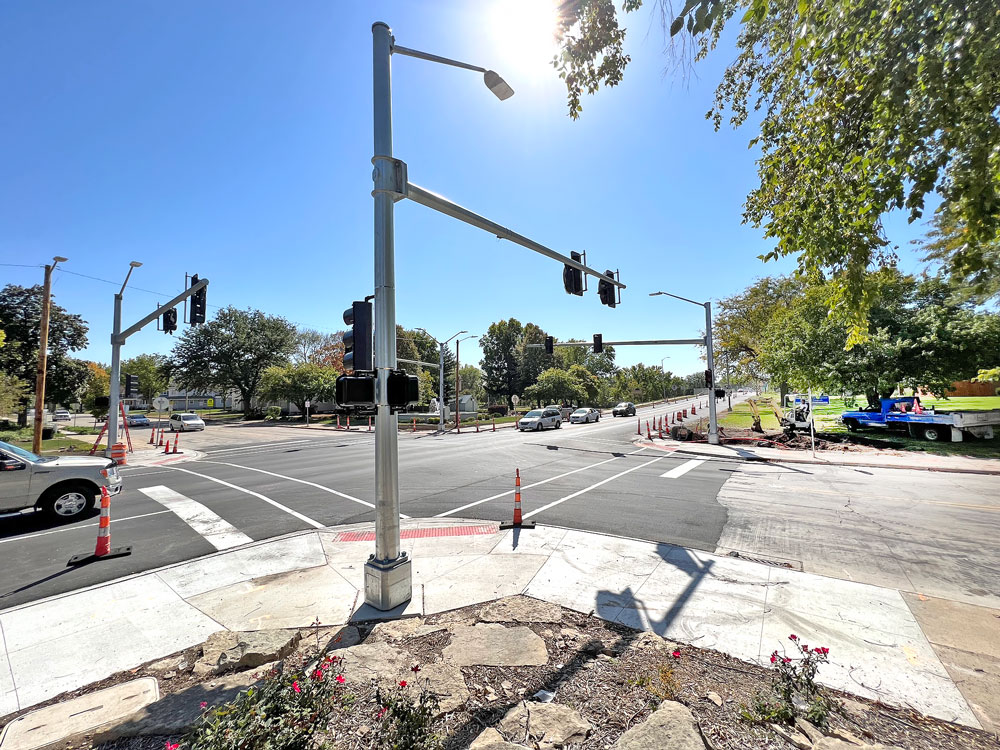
<point x="64" y="487"/>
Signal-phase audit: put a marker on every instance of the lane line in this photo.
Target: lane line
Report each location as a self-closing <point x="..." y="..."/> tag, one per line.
<point x="216" y="530"/>
<point x="528" y="486"/>
<point x="81" y="526"/>
<point x="684" y="468"/>
<point x="591" y="487"/>
<point x="269" y="501"/>
<point x="254" y="445"/>
<point x="302" y="481"/>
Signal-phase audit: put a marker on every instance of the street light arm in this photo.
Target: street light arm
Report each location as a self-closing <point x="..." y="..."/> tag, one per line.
<point x="398" y="50"/>
<point x="675" y="296"/>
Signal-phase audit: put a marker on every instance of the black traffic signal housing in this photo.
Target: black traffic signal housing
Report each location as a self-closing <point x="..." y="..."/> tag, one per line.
<point x="358" y="338"/>
<point x="170" y="320"/>
<point x="573" y="277"/>
<point x="199" y="301"/>
<point x="356" y="391"/>
<point x="606" y="290"/>
<point x="402" y="388"/>
<point x="131" y="386"/>
<point x="708" y="378"/>
<point x="598" y="343"/>
<point x="549" y="345"/>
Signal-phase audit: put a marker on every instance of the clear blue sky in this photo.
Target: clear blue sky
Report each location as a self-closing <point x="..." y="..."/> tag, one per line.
<point x="233" y="139"/>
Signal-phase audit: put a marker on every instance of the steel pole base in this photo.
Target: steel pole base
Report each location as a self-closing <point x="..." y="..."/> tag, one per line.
<point x="86" y="559"/>
<point x="522" y="525"/>
<point x="388" y="584"/>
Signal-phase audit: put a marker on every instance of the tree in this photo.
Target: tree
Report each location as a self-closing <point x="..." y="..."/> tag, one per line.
<point x="471" y="378"/>
<point x="299" y="383"/>
<point x="532" y="361"/>
<point x="555" y="386"/>
<point x="21" y="320"/>
<point x="922" y="337"/>
<point x="419" y="346"/>
<point x="501" y="375"/>
<point x="232" y="352"/>
<point x="315" y="347"/>
<point x="973" y="272"/>
<point x="589" y="384"/>
<point x="96" y="383"/>
<point x="425" y="386"/>
<point x="865" y="107"/>
<point x="12" y="393"/>
<point x="152" y="371"/>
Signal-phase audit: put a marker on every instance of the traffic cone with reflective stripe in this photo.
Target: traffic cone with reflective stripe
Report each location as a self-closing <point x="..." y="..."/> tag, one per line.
<point x="638" y="426"/>
<point x="103" y="548"/>
<point x="160" y="444"/>
<point x="152" y="437"/>
<point x="693" y="411"/>
<point x="176" y="441"/>
<point x="518" y="522"/>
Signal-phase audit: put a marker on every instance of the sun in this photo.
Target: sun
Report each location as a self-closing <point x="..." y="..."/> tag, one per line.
<point x="526" y="31"/>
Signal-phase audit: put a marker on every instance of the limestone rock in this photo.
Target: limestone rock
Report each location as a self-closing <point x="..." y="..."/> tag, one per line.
<point x="669" y="727"/>
<point x="521" y="609"/>
<point x="808" y="729"/>
<point x="447" y="683"/>
<point x="714" y="697"/>
<point x="332" y="639"/>
<point x="792" y="736"/>
<point x="398" y="630"/>
<point x="227" y="650"/>
<point x="551" y="725"/>
<point x="170" y="664"/>
<point x="367" y="661"/>
<point x="491" y="739"/>
<point x="651" y="640"/>
<point x="176" y="713"/>
<point x="495" y="645"/>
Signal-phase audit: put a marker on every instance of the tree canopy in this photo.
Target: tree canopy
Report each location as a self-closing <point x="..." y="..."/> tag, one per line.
<point x="153" y="373"/>
<point x="865" y="106"/>
<point x="299" y="383"/>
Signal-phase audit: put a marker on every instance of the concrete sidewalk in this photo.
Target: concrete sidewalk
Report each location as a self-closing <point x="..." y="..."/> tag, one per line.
<point x="746" y="609"/>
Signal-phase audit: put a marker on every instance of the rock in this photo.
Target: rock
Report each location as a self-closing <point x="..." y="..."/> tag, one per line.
<point x="832" y="743"/>
<point x="398" y="630"/>
<point x="551" y="725"/>
<point x="344" y="637"/>
<point x="651" y="640"/>
<point x="171" y="663"/>
<point x="808" y="729"/>
<point x="227" y="650"/>
<point x="363" y="730"/>
<point x="521" y="609"/>
<point x="572" y="633"/>
<point x="168" y="675"/>
<point x="714" y="697"/>
<point x="491" y="739"/>
<point x="175" y="714"/>
<point x="507" y="685"/>
<point x="447" y="683"/>
<point x="669" y="727"/>
<point x="792" y="736"/>
<point x="495" y="645"/>
<point x="843" y="734"/>
<point x="366" y="661"/>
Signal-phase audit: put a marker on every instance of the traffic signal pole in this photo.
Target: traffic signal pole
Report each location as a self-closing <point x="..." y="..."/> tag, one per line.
<point x="713" y="420"/>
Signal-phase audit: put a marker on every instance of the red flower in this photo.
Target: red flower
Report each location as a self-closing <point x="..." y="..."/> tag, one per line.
<point x="823" y="650"/>
<point x="774" y="658"/>
<point x="381" y="712"/>
<point x="172" y="746"/>
<point x="805" y="648"/>
<point x="787" y="660"/>
<point x="793" y="637"/>
<point x="415" y="668"/>
<point x="340" y="679"/>
<point x="318" y="674"/>
<point x="203" y="704"/>
<point x="402" y="683"/>
<point x="676" y="654"/>
<point x="295" y="687"/>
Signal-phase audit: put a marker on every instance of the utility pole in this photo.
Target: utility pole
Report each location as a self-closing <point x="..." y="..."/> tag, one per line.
<point x="43" y="355"/>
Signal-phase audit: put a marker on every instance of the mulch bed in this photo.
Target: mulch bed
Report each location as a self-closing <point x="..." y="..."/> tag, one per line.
<point x="614" y="677"/>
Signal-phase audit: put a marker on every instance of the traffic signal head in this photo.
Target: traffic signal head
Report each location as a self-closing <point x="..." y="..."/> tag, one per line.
<point x="598" y="343"/>
<point x="170" y="320"/>
<point x="358" y="338"/>
<point x="199" y="301"/>
<point x="355" y="390"/>
<point x="573" y="277"/>
<point x="606" y="290"/>
<point x="708" y="378"/>
<point x="549" y="345"/>
<point x="403" y="389"/>
<point x="131" y="386"/>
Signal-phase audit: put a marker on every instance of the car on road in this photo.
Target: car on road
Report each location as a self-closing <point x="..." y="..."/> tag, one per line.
<point x="564" y="411"/>
<point x="138" y="420"/>
<point x="63" y="487"/>
<point x="62" y="415"/>
<point x="539" y="419"/>
<point x="185" y="422"/>
<point x="624" y="409"/>
<point x="585" y="415"/>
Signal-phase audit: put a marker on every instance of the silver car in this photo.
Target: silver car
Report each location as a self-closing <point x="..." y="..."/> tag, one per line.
<point x="585" y="415"/>
<point x="539" y="419"/>
<point x="64" y="487"/>
<point x="185" y="422"/>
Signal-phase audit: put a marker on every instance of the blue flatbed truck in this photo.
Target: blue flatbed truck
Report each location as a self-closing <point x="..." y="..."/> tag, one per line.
<point x="897" y="414"/>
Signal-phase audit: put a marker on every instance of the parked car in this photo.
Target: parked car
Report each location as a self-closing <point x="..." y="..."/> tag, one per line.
<point x="62" y="415"/>
<point x="63" y="487"/>
<point x="539" y="419"/>
<point x="185" y="422"/>
<point x="624" y="409"/>
<point x="564" y="411"/>
<point x="585" y="415"/>
<point x="138" y="420"/>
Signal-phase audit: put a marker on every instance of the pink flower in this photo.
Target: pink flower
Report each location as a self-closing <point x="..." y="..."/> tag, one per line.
<point x="340" y="679"/>
<point x="318" y="674"/>
<point x="805" y="648"/>
<point x="787" y="660"/>
<point x="295" y="687"/>
<point x="402" y="683"/>
<point x="774" y="658"/>
<point x="203" y="704"/>
<point x="676" y="654"/>
<point x="793" y="637"/>
<point x="172" y="746"/>
<point x="381" y="712"/>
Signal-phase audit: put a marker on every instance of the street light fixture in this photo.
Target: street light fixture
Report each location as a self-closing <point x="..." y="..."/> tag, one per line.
<point x="713" y="423"/>
<point x="441" y="346"/>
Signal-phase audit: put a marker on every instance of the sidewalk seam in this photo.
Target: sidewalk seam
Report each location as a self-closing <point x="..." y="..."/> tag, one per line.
<point x="10" y="669"/>
<point x="176" y="593"/>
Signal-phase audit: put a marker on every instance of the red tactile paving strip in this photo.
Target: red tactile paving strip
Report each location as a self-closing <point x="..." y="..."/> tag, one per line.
<point x="369" y="536"/>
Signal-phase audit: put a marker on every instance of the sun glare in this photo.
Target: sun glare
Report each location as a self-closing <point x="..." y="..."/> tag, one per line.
<point x="526" y="31"/>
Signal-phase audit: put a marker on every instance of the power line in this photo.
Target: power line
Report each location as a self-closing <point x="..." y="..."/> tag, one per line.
<point x="23" y="265"/>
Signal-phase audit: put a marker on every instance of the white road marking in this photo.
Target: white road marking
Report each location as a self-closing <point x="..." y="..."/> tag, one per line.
<point x="255" y="446"/>
<point x="533" y="484"/>
<point x="591" y="487"/>
<point x="684" y="468"/>
<point x="81" y="526"/>
<point x="302" y="481"/>
<point x="275" y="503"/>
<point x="216" y="530"/>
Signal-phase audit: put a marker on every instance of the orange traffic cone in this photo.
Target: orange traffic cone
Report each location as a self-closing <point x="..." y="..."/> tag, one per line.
<point x="176" y="440"/>
<point x="518" y="522"/>
<point x="152" y="437"/>
<point x="103" y="548"/>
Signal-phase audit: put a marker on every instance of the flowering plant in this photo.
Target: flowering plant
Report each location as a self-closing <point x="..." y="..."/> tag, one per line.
<point x="405" y="716"/>
<point x="794" y="685"/>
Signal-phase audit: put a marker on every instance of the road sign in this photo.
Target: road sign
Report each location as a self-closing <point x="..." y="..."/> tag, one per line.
<point x="210" y="403"/>
<point x="515" y="400"/>
<point x="161" y="403"/>
<point x="308" y="404"/>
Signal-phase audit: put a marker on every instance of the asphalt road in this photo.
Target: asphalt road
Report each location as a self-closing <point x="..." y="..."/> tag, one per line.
<point x="589" y="477"/>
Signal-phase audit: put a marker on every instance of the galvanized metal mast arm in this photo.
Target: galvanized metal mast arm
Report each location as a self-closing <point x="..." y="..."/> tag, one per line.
<point x="397" y="50"/>
<point x="202" y="283"/>
<point x="445" y="206"/>
<point x="417" y="362"/>
<point x="653" y="342"/>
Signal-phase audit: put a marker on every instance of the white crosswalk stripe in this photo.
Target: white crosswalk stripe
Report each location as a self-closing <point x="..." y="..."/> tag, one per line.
<point x="684" y="468"/>
<point x="216" y="530"/>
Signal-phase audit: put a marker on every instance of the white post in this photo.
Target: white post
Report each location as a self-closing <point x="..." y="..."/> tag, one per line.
<point x="115" y="390"/>
<point x="440" y="386"/>
<point x="713" y="422"/>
